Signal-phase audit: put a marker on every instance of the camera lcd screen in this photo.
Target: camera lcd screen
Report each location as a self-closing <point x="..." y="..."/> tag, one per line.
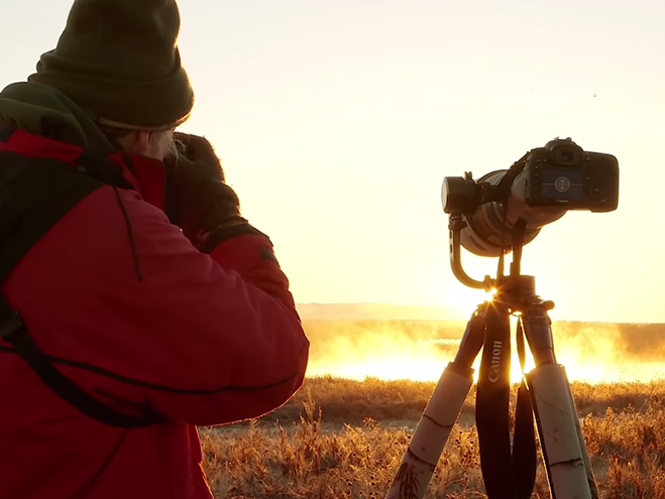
<point x="562" y="184"/>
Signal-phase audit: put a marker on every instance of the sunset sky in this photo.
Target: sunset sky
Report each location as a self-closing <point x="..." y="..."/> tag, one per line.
<point x="336" y="122"/>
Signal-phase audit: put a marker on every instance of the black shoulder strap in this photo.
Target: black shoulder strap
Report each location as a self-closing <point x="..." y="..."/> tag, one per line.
<point x="14" y="332"/>
<point x="34" y="195"/>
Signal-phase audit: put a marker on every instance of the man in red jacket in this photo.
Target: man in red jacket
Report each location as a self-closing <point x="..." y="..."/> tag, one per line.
<point x="147" y="305"/>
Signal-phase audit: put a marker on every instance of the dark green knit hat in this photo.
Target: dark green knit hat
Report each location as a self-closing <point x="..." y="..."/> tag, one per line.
<point x="118" y="59"/>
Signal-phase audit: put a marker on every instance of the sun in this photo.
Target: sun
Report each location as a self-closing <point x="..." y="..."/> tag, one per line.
<point x="466" y="300"/>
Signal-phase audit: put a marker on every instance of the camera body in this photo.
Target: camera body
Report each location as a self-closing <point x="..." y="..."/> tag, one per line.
<point x="563" y="174"/>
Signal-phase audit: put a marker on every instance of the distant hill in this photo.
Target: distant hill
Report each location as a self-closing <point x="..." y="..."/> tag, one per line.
<point x="376" y="311"/>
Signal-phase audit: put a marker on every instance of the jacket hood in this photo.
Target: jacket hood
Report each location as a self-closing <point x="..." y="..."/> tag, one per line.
<point x="42" y="110"/>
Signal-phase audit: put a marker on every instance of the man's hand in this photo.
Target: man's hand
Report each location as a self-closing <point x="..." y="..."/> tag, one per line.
<point x="197" y="199"/>
<point x="200" y="152"/>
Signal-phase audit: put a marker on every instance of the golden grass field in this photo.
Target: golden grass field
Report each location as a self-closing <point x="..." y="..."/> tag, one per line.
<point x="343" y="438"/>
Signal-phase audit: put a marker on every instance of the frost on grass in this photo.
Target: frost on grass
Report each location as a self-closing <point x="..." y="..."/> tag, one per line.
<point x="301" y="451"/>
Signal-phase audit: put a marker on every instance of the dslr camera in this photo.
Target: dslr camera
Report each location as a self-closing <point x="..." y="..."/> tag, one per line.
<point x="537" y="189"/>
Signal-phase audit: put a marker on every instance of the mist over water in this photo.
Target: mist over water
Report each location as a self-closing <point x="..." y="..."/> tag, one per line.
<point x="420" y="350"/>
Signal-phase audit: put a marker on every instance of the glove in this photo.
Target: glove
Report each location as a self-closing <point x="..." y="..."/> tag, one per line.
<point x="197" y="198"/>
<point x="199" y="151"/>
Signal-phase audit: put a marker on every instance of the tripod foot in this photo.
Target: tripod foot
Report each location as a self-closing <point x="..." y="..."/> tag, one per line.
<point x="431" y="434"/>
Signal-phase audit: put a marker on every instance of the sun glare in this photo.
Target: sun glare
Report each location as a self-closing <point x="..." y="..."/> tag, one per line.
<point x="592" y="354"/>
<point x="421" y="363"/>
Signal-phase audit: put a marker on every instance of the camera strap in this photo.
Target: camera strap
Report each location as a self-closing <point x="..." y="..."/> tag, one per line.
<point x="492" y="404"/>
<point x="524" y="438"/>
<point x="508" y="471"/>
<point x="503" y="188"/>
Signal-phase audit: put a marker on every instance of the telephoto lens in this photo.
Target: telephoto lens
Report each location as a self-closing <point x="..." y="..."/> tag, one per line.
<point x="489" y="227"/>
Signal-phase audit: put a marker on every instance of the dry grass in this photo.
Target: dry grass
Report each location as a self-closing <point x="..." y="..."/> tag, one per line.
<point x="340" y="439"/>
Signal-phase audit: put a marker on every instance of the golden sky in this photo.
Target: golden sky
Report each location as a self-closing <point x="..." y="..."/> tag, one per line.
<point x="337" y="120"/>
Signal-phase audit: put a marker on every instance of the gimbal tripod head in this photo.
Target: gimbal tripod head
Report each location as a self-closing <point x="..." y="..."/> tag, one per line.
<point x="515" y="287"/>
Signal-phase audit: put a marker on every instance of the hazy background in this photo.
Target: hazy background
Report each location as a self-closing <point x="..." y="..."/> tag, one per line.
<point x="337" y="120"/>
<point x="420" y="350"/>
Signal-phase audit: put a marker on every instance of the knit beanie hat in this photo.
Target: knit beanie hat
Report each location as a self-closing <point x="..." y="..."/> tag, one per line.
<point x="118" y="60"/>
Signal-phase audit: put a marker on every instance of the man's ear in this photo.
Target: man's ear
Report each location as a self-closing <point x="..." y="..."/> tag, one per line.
<point x="142" y="143"/>
<point x="135" y="142"/>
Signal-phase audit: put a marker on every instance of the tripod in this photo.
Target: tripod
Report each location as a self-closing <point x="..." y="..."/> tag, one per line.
<point x="545" y="393"/>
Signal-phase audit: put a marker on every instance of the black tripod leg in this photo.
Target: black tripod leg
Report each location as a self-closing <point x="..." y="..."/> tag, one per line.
<point x="443" y="408"/>
<point x="565" y="455"/>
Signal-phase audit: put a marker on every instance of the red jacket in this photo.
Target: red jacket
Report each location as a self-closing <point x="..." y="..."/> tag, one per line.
<point x="200" y="339"/>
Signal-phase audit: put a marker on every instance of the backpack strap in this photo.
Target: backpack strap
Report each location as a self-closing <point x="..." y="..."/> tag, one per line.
<point x="13" y="331"/>
<point x="34" y="195"/>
